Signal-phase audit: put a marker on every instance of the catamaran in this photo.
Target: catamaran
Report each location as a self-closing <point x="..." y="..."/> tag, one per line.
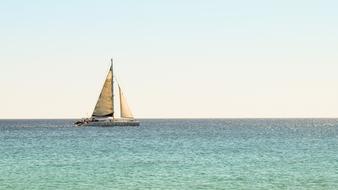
<point x="104" y="112"/>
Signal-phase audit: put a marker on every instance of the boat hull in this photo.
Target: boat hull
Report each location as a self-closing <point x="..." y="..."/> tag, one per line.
<point x="111" y="124"/>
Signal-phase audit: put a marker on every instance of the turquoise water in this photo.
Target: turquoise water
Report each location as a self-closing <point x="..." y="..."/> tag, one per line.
<point x="170" y="154"/>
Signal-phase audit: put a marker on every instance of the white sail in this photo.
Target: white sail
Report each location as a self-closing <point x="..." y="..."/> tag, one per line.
<point x="105" y="104"/>
<point x="124" y="108"/>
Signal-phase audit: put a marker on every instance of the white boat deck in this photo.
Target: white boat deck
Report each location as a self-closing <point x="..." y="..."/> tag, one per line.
<point x="112" y="123"/>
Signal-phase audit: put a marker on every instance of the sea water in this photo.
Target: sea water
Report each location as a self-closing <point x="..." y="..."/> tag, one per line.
<point x="170" y="154"/>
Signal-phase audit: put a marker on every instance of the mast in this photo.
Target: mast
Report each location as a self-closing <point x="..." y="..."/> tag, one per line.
<point x="112" y="82"/>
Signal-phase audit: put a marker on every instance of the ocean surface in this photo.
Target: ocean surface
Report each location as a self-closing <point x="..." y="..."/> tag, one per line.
<point x="170" y="154"/>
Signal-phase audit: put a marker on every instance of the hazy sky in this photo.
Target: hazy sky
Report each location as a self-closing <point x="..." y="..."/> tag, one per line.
<point x="177" y="58"/>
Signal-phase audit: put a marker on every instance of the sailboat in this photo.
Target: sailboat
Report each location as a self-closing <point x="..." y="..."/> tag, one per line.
<point x="104" y="112"/>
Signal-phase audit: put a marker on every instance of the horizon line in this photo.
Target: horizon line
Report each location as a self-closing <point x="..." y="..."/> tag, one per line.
<point x="192" y="118"/>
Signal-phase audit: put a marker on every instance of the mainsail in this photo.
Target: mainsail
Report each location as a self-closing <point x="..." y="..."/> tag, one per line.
<point x="124" y="108"/>
<point x="105" y="104"/>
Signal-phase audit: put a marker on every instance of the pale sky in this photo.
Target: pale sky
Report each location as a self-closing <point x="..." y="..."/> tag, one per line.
<point x="177" y="58"/>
